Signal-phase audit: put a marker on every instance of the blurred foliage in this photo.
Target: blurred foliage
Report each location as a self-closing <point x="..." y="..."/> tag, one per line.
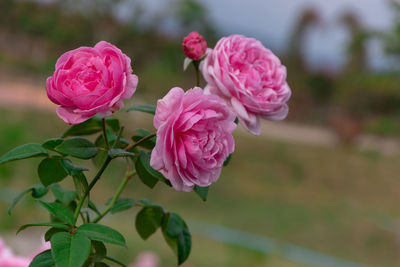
<point x="367" y="94"/>
<point x="58" y="27"/>
<point x="392" y="39"/>
<point x="194" y="17"/>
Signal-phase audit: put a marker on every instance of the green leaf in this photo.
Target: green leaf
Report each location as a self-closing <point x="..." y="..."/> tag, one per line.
<point x="148" y="220"/>
<point x="113" y="123"/>
<point x="143" y="108"/>
<point x="78" y="147"/>
<point x="228" y="159"/>
<point x="177" y="236"/>
<point x="100" y="142"/>
<point x="24" y="152"/>
<point x="100" y="158"/>
<point x="43" y="259"/>
<point x="88" y="127"/>
<point x="117" y="152"/>
<point x="102" y="233"/>
<point x="202" y="192"/>
<point x="49" y="224"/>
<point x="100" y="251"/>
<point x="146" y="173"/>
<point x="37" y="191"/>
<point x="72" y="169"/>
<point x="70" y="250"/>
<point x="52" y="143"/>
<point x="59" y="211"/>
<point x="51" y="171"/>
<point x="122" y="204"/>
<point x="142" y="133"/>
<point x="52" y="231"/>
<point x="63" y="195"/>
<point x="81" y="186"/>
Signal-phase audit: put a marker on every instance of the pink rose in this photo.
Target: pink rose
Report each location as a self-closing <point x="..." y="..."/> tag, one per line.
<point x="89" y="81"/>
<point x="250" y="78"/>
<point x="194" y="137"/>
<point x="194" y="46"/>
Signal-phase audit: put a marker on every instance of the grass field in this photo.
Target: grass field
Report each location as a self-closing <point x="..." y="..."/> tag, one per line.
<point x="339" y="202"/>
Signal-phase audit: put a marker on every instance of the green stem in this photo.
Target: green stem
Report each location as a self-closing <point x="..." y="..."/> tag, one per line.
<point x="196" y="67"/>
<point x="116" y="196"/>
<point x="105" y="133"/>
<point x="133" y="145"/>
<point x="91" y="185"/>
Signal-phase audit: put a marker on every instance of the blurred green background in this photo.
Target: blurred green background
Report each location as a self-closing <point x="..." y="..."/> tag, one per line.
<point x="340" y="200"/>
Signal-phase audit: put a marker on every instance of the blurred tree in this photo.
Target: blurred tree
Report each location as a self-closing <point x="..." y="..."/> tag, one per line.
<point x="356" y="47"/>
<point x="307" y="19"/>
<point x="392" y="39"/>
<point x="192" y="16"/>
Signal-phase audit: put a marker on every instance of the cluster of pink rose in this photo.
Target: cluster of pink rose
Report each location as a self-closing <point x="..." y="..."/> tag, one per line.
<point x="244" y="79"/>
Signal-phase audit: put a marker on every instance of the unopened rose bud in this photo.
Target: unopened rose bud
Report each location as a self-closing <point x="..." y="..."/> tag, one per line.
<point x="194" y="46"/>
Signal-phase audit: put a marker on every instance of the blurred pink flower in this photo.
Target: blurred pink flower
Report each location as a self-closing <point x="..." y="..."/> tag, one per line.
<point x="146" y="259"/>
<point x="89" y="81"/>
<point x="194" y="137"/>
<point x="250" y="78"/>
<point x="8" y="259"/>
<point x="194" y="46"/>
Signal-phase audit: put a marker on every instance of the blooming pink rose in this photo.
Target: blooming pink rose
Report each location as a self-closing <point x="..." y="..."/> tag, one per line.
<point x="250" y="78"/>
<point x="194" y="137"/>
<point x="89" y="81"/>
<point x="194" y="46"/>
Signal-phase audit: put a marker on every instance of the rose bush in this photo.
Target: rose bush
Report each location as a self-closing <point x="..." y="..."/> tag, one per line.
<point x="192" y="143"/>
<point x="89" y="81"/>
<point x="250" y="78"/>
<point x="194" y="138"/>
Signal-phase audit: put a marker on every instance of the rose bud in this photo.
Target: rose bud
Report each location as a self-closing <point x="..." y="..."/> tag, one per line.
<point x="194" y="46"/>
